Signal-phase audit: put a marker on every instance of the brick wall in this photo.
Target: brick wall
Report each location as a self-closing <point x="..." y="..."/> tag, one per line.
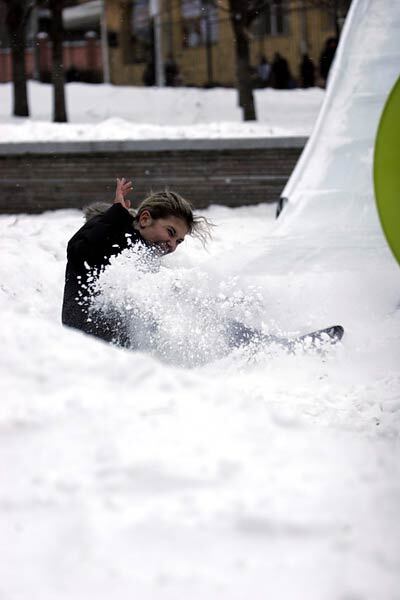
<point x="84" y="56"/>
<point x="39" y="177"/>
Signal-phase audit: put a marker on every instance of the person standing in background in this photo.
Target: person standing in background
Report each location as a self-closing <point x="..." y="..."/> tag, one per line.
<point x="307" y="72"/>
<point x="326" y="58"/>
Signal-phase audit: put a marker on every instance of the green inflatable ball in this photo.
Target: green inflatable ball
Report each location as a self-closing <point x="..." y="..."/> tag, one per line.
<point x="387" y="170"/>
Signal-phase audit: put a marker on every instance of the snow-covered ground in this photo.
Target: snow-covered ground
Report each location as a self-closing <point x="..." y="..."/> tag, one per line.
<point x="106" y="112"/>
<point x="258" y="473"/>
<point x="197" y="474"/>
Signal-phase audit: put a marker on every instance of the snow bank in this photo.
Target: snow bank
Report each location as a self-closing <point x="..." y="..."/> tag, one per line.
<point x="106" y="112"/>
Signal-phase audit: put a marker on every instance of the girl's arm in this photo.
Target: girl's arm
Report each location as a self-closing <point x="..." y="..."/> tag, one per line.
<point x="93" y="243"/>
<point x="123" y="188"/>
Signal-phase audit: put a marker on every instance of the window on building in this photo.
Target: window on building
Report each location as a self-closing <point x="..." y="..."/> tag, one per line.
<point x="327" y="20"/>
<point x="199" y="23"/>
<point x="138" y="32"/>
<point x="273" y="19"/>
<point x="334" y="13"/>
<point x="141" y="29"/>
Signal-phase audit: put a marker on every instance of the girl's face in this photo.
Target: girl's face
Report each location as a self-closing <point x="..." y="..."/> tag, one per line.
<point x="166" y="233"/>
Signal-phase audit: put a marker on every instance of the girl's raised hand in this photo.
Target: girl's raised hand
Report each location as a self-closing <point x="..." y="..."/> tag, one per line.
<point x="122" y="189"/>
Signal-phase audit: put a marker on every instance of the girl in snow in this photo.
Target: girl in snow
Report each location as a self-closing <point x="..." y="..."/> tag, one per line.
<point x="160" y="224"/>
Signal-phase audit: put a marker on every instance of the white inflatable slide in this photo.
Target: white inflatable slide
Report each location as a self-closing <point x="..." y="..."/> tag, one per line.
<point x="331" y="186"/>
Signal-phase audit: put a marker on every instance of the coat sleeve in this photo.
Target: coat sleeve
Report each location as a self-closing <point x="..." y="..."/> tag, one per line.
<point x="93" y="243"/>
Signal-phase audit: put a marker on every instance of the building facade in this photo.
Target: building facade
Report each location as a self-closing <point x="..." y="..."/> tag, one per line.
<point x="196" y="37"/>
<point x="82" y="54"/>
<point x="126" y="41"/>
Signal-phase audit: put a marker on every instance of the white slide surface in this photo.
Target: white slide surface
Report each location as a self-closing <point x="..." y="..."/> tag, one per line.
<point x="332" y="183"/>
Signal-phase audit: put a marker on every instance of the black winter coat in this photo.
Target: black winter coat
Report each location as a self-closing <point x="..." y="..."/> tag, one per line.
<point x="89" y="250"/>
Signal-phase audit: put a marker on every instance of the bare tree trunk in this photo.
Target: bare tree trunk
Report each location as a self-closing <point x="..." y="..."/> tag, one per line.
<point x="20" y="91"/>
<point x="244" y="82"/>
<point x="16" y="20"/>
<point x="57" y="36"/>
